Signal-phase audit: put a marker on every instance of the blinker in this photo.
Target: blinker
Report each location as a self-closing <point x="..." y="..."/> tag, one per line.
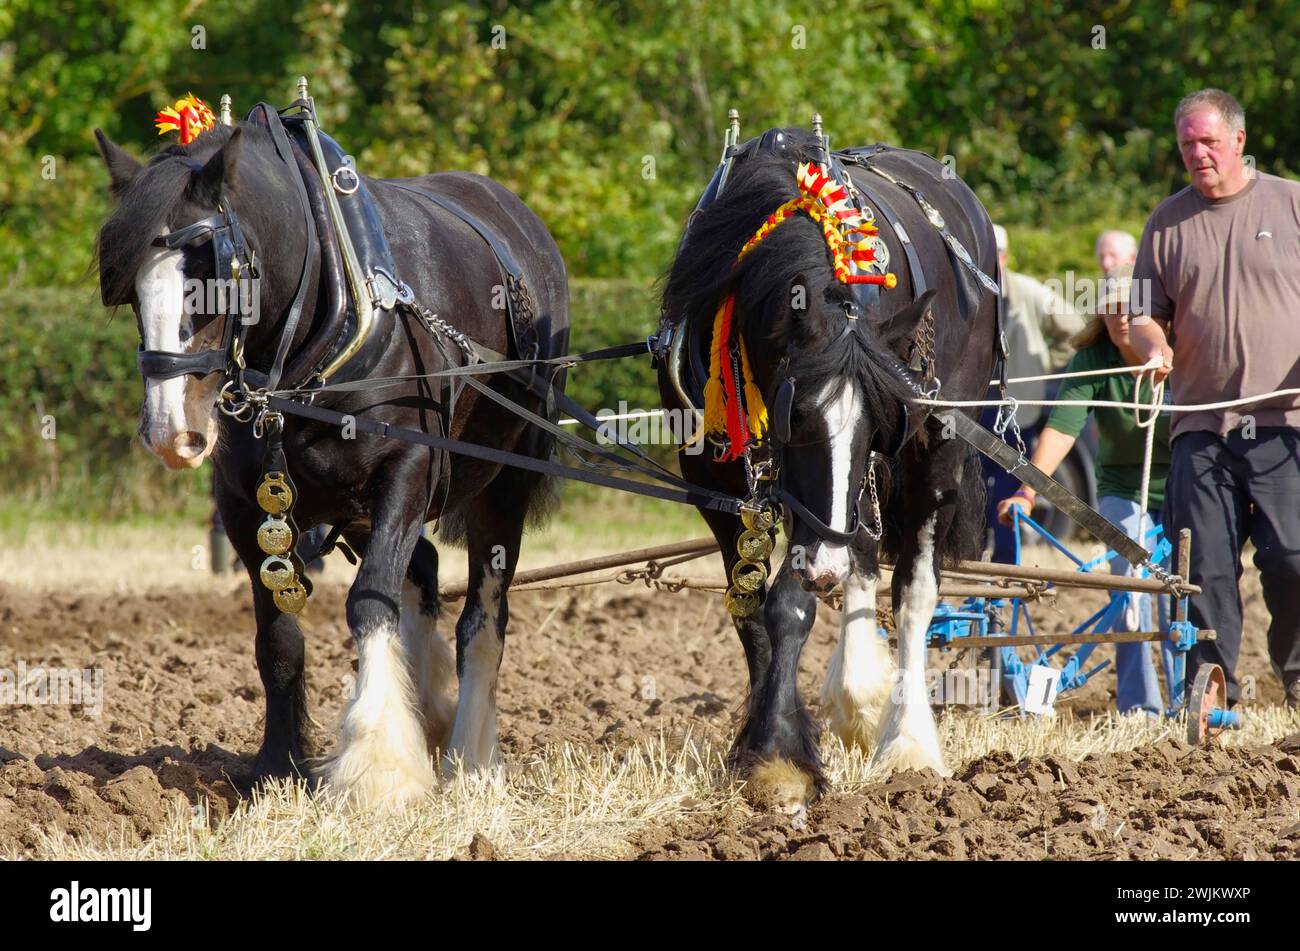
<point x="782" y="407"/>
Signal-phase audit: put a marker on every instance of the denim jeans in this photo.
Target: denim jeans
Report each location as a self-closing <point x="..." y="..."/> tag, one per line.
<point x="1138" y="688"/>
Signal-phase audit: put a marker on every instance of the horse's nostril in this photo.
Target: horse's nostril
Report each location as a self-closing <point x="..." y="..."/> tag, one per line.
<point x="189" y="444"/>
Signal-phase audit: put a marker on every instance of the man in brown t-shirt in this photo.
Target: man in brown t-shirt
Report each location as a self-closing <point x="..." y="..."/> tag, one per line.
<point x="1219" y="268"/>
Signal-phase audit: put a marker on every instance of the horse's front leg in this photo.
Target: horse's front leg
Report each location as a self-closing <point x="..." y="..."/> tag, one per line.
<point x="909" y="738"/>
<point x="381" y="758"/>
<point x="776" y="748"/>
<point x="280" y="650"/>
<point x="861" y="671"/>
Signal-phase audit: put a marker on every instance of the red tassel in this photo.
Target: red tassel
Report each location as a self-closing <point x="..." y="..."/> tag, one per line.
<point x="884" y="280"/>
<point x="736" y="431"/>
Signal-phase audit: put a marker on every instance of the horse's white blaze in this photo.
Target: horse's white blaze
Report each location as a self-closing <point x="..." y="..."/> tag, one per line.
<point x="181" y="406"/>
<point x="840" y="402"/>
<point x="432" y="667"/>
<point x="861" y="670"/>
<point x="160" y="289"/>
<point x="908" y="737"/>
<point x="381" y="759"/>
<point x="474" y="736"/>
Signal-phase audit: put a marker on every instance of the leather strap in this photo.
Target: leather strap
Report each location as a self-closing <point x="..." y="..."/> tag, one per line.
<point x="499" y="248"/>
<point x="271" y="119"/>
<point x="919" y="285"/>
<point x="701" y="498"/>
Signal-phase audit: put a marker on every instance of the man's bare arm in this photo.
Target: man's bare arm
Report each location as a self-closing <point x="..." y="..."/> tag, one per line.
<point x="1147" y="337"/>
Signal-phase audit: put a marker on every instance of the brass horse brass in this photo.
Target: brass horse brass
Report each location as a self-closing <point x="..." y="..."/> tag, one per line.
<point x="277" y="573"/>
<point x="274" y="494"/>
<point x="760" y="521"/>
<point x="292" y="599"/>
<point x="274" y="536"/>
<point x="741" y="603"/>
<point x="748" y="577"/>
<point x="754" y="546"/>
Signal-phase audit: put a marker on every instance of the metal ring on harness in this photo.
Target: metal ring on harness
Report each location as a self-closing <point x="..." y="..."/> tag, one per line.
<point x="343" y="189"/>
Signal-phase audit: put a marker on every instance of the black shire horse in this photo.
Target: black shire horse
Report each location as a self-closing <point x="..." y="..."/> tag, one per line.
<point x="385" y="490"/>
<point x="838" y="348"/>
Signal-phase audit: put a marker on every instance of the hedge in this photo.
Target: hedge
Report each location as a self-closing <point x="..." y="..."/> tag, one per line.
<point x="70" y="396"/>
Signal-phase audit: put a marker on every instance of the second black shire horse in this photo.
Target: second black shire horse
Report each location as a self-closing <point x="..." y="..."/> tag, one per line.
<point x="828" y="358"/>
<point x="384" y="490"/>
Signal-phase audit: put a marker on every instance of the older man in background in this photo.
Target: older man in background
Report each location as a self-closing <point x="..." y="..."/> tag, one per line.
<point x="1035" y="313"/>
<point x="1218" y="268"/>
<point x="1115" y="249"/>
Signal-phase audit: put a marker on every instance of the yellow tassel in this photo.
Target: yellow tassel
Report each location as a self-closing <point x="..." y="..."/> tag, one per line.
<point x="754" y="404"/>
<point x="715" y="407"/>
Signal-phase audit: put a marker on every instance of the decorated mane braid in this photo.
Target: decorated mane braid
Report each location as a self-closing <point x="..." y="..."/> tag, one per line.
<point x="739" y="421"/>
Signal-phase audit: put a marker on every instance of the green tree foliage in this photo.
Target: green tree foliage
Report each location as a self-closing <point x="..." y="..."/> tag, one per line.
<point x="607" y="118"/>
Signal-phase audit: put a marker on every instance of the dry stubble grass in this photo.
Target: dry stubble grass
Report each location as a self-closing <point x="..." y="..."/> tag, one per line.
<point x="587" y="803"/>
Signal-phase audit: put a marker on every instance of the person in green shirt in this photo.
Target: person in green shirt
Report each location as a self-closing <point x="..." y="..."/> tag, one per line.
<point x="1121" y="443"/>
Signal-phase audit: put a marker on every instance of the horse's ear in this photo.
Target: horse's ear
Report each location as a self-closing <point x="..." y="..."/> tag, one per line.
<point x="218" y="169"/>
<point x="122" y="167"/>
<point x="901" y="326"/>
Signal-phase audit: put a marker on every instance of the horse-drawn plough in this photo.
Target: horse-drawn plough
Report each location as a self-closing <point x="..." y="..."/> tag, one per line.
<point x="817" y="370"/>
<point x="985" y="610"/>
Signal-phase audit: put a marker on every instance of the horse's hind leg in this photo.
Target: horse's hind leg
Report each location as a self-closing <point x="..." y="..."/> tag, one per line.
<point x="381" y="758"/>
<point x="861" y="671"/>
<point x="428" y="655"/>
<point x="496" y="525"/>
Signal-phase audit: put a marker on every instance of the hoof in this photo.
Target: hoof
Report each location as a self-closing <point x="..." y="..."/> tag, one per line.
<point x="278" y="766"/>
<point x="780" y="786"/>
<point x="905" y="754"/>
<point x="909" y="739"/>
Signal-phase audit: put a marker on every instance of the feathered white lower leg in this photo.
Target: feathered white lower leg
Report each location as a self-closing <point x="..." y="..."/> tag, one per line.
<point x="908" y="736"/>
<point x="381" y="759"/>
<point x="474" y="735"/>
<point x="432" y="666"/>
<point x="861" y="670"/>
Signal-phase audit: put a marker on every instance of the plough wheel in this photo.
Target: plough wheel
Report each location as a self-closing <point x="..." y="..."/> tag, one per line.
<point x="1209" y="693"/>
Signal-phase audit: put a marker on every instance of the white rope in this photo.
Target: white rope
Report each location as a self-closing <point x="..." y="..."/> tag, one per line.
<point x="612" y="418"/>
<point x="1113" y="404"/>
<point x="1076" y="373"/>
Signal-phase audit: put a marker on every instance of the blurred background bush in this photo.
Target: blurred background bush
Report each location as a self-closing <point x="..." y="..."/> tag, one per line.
<point x="606" y="118"/>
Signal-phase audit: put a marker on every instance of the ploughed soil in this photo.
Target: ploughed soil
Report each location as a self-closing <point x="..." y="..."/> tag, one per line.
<point x="182" y="708"/>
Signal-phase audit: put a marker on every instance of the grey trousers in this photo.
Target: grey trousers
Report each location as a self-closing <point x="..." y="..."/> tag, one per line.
<point x="1228" y="489"/>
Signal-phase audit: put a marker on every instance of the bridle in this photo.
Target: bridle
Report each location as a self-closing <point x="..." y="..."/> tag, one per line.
<point x="233" y="263"/>
<point x="780" y="438"/>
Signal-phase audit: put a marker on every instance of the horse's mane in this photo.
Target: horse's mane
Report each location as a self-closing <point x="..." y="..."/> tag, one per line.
<point x="146" y="204"/>
<point x="794" y="253"/>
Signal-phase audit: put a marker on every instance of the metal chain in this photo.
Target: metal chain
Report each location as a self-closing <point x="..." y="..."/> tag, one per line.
<point x="436" y="325"/>
<point x="1007" y="417"/>
<point x="875" y="501"/>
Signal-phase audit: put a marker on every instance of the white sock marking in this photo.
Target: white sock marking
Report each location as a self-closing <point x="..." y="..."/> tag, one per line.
<point x="474" y="736"/>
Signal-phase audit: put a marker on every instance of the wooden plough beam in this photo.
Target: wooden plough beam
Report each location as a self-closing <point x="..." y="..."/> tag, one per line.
<point x="1001" y="579"/>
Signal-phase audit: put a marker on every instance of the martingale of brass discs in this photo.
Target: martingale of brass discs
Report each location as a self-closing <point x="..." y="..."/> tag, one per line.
<point x="749" y="573"/>
<point x="276" y="537"/>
